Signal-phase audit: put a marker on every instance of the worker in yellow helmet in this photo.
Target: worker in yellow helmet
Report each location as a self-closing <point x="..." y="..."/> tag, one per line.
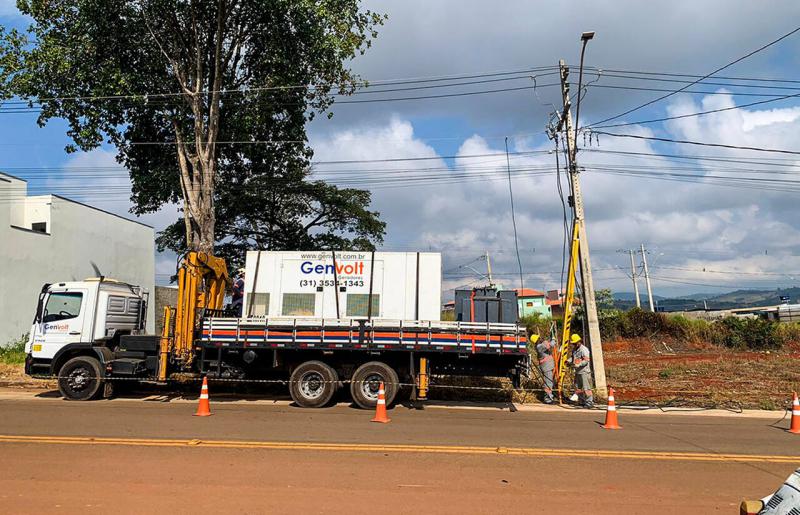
<point x="581" y="359"/>
<point x="544" y="352"/>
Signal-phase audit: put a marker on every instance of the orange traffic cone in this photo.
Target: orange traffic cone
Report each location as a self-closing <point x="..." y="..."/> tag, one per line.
<point x="795" y="427"/>
<point x="380" y="408"/>
<point x="611" y="413"/>
<point x="203" y="408"/>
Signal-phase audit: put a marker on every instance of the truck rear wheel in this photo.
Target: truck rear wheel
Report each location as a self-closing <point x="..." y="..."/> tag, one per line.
<point x="366" y="382"/>
<point x="79" y="379"/>
<point x="313" y="384"/>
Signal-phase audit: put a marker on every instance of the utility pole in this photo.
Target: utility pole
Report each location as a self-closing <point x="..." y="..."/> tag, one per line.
<point x="598" y="364"/>
<point x="489" y="269"/>
<point x="647" y="279"/>
<point x="635" y="284"/>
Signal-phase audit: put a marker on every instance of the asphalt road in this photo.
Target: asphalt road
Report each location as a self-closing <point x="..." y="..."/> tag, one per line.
<point x="147" y="456"/>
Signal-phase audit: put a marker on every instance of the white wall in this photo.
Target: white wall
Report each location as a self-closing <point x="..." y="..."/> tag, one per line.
<point x="80" y="242"/>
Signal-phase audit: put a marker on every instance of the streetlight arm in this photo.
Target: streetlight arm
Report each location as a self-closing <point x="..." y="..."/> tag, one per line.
<point x="580" y="85"/>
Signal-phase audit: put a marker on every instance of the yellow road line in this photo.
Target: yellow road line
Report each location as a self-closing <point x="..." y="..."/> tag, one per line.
<point x="425" y="449"/>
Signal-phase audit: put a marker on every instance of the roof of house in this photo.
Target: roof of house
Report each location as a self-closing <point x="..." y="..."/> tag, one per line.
<point x="72" y="201"/>
<point x="528" y="292"/>
<point x="560" y="302"/>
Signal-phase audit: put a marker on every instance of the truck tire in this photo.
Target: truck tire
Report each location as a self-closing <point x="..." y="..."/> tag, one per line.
<point x="366" y="380"/>
<point x="313" y="384"/>
<point x="79" y="379"/>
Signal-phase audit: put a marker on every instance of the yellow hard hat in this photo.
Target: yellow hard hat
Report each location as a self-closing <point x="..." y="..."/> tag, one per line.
<point x="575" y="338"/>
<point x="534" y="338"/>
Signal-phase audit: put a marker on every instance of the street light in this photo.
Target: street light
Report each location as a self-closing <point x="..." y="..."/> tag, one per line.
<point x="585" y="37"/>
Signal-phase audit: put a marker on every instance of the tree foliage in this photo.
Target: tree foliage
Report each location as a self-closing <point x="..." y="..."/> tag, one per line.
<point x="206" y="102"/>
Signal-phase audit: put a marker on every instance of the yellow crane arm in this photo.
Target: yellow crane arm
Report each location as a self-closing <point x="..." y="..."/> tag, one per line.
<point x="202" y="279"/>
<point x="569" y="301"/>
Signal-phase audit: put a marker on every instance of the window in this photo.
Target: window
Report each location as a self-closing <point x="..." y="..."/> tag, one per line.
<point x="357" y="304"/>
<point x="39" y="227"/>
<point x="258" y="305"/>
<point x="529" y="304"/>
<point x="62" y="305"/>
<point x="298" y="304"/>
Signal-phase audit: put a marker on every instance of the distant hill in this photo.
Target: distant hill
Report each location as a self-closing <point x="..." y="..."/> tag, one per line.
<point x="624" y="295"/>
<point x="751" y="298"/>
<point x="731" y="300"/>
<point x="698" y="296"/>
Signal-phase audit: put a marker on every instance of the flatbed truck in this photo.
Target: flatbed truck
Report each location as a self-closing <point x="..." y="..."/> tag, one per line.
<point x="90" y="334"/>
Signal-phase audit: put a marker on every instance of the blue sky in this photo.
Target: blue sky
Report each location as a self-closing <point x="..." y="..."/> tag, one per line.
<point x="704" y="237"/>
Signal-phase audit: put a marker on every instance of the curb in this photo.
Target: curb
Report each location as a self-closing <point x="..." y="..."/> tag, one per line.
<point x="37" y="395"/>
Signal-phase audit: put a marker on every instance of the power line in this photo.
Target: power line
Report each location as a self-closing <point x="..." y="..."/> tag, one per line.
<point x="690" y="92"/>
<point x="700" y="113"/>
<point x="347" y="102"/>
<point x="731" y="286"/>
<point x="767" y="161"/>
<point x="703" y="180"/>
<point x="35" y="110"/>
<point x="605" y="74"/>
<point x="732" y="272"/>
<point x="365" y="86"/>
<point x="257" y="89"/>
<point x="673" y="74"/>
<point x="761" y="48"/>
<point x="513" y="219"/>
<point x="687" y="142"/>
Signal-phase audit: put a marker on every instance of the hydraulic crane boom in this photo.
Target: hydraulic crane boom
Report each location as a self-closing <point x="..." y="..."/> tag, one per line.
<point x="569" y="301"/>
<point x="202" y="280"/>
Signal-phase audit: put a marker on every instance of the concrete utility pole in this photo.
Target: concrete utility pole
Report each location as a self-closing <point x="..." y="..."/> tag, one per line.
<point x="598" y="364"/>
<point x="635" y="284"/>
<point x="647" y="279"/>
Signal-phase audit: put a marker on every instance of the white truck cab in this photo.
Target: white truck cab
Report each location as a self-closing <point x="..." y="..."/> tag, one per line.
<point x="83" y="318"/>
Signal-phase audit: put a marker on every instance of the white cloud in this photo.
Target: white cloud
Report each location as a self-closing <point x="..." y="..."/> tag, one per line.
<point x="423" y="38"/>
<point x="96" y="178"/>
<point x="687" y="225"/>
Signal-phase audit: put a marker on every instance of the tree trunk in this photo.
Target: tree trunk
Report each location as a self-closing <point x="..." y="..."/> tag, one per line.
<point x="201" y="83"/>
<point x="197" y="184"/>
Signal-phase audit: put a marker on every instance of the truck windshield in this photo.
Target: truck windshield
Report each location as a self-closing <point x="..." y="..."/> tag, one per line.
<point x="62" y="305"/>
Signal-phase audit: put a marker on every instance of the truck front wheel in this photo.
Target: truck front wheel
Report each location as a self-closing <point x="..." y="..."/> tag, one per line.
<point x="366" y="382"/>
<point x="79" y="379"/>
<point x="312" y="384"/>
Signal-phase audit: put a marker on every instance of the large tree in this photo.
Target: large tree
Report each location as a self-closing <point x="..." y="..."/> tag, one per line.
<point x="206" y="102"/>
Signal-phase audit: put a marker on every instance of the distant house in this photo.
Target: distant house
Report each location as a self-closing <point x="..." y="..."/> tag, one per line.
<point x="449" y="306"/>
<point x="532" y="301"/>
<point x="555" y="299"/>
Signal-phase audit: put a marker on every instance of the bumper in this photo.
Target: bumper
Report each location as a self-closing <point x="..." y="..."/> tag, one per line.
<point x="35" y="366"/>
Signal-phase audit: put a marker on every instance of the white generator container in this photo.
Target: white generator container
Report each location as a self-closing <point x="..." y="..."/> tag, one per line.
<point x="325" y="284"/>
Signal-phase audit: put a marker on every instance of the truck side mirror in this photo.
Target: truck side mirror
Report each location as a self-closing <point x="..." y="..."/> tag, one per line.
<point x="40" y="304"/>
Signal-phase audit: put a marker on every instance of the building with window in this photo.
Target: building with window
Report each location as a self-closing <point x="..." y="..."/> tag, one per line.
<point x="532" y="301"/>
<point x="50" y="239"/>
<point x="555" y="299"/>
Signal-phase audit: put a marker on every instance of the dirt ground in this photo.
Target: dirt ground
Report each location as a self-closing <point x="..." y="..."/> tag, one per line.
<point x="641" y="372"/>
<point x="666" y="374"/>
<point x="648" y="372"/>
<point x="13" y="376"/>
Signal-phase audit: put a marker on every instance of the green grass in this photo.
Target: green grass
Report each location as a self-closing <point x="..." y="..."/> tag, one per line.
<point x="13" y="353"/>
